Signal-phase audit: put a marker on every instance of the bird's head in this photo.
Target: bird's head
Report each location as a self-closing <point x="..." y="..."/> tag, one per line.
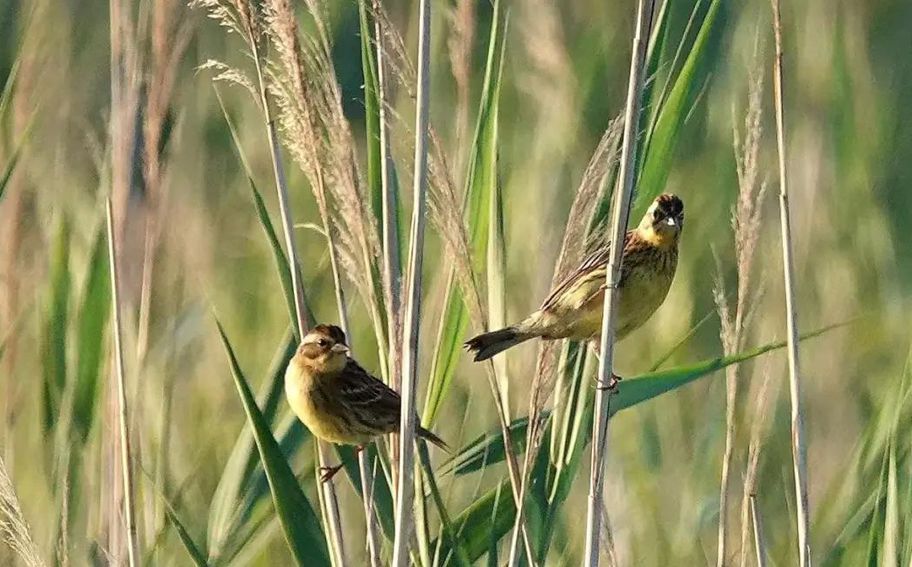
<point x="663" y="222"/>
<point x="323" y="349"/>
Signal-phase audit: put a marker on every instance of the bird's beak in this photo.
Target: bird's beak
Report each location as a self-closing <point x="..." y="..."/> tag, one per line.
<point x="671" y="221"/>
<point x="340" y="348"/>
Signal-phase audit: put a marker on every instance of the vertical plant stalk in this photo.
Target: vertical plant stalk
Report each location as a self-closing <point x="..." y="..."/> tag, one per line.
<point x="367" y="486"/>
<point x="328" y="499"/>
<point x="759" y="544"/>
<point x="123" y="414"/>
<point x="621" y="212"/>
<point x="405" y="482"/>
<point x="392" y="276"/>
<point x="799" y="451"/>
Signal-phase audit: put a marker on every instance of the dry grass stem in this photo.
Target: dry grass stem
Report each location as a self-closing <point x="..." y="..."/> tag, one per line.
<point x="406" y="479"/>
<point x="799" y="449"/>
<point x="126" y="454"/>
<point x="620" y="214"/>
<point x="589" y="193"/>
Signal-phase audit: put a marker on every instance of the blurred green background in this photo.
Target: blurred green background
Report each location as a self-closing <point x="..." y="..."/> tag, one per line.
<point x="849" y="125"/>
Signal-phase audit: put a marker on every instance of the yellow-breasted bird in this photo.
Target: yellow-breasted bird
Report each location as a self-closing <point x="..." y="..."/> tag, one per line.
<point x="337" y="399"/>
<point x="573" y="309"/>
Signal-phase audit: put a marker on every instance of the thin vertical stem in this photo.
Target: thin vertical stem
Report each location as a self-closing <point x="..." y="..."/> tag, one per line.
<point x="123" y="421"/>
<point x="621" y="212"/>
<point x="799" y="451"/>
<point x="759" y="544"/>
<point x="392" y="264"/>
<point x="404" y="492"/>
<point x="329" y="500"/>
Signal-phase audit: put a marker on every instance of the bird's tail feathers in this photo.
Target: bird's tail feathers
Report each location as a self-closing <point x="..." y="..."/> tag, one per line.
<point x="433" y="438"/>
<point x="486" y="345"/>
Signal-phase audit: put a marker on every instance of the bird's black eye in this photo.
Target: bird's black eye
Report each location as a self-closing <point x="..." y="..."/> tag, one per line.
<point x="323" y="342"/>
<point x="657" y="214"/>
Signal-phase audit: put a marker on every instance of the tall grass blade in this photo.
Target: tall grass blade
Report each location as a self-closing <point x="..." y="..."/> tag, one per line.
<point x="300" y="525"/>
<point x="92" y="321"/>
<point x="662" y="142"/>
<point x="483" y="523"/>
<point x="481" y="190"/>
<point x="226" y="517"/>
<point x="281" y="261"/>
<point x="631" y="392"/>
<point x="55" y="341"/>
<point x="410" y="335"/>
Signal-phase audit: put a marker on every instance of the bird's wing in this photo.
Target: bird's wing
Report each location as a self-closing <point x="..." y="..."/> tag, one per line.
<point x="591" y="270"/>
<point x="359" y="390"/>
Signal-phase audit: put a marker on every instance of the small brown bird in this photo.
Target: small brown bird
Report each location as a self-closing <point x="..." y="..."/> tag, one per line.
<point x="337" y="399"/>
<point x="573" y="309"/>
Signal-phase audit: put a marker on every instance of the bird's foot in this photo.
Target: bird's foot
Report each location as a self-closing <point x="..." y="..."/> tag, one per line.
<point x="329" y="472"/>
<point x="611" y="385"/>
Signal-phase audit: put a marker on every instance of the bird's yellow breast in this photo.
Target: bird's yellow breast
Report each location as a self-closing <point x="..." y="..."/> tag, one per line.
<point x="313" y="411"/>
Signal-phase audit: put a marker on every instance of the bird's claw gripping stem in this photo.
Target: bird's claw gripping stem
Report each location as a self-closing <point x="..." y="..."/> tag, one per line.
<point x="329" y="472"/>
<point x="612" y="385"/>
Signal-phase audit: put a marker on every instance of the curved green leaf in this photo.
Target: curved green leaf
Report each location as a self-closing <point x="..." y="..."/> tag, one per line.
<point x="93" y="318"/>
<point x="300" y="525"/>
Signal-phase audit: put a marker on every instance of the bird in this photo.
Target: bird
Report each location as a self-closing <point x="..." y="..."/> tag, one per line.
<point x="337" y="399"/>
<point x="573" y="309"/>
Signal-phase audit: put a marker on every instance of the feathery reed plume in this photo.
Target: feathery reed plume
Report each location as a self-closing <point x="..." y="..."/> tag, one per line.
<point x="126" y="455"/>
<point x="589" y="193"/>
<point x="746" y="216"/>
<point x="303" y="83"/>
<point x="277" y="22"/>
<point x="14" y="530"/>
<point x="620" y="214"/>
<point x="392" y="276"/>
<point x="799" y="450"/>
<point x="406" y="480"/>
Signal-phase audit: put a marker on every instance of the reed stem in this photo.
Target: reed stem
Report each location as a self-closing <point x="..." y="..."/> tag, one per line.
<point x="620" y="214"/>
<point x="329" y="501"/>
<point x="404" y="492"/>
<point x="122" y="410"/>
<point x="799" y="451"/>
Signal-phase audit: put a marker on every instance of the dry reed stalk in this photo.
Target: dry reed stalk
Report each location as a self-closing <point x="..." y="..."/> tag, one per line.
<point x="620" y="214"/>
<point x="244" y="18"/>
<point x="589" y="193"/>
<point x="759" y="543"/>
<point x="746" y="217"/>
<point x="799" y="450"/>
<point x="169" y="39"/>
<point x="126" y="454"/>
<point x="406" y="480"/>
<point x="759" y="422"/>
<point x="446" y="214"/>
<point x="14" y="530"/>
<point x="391" y="267"/>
